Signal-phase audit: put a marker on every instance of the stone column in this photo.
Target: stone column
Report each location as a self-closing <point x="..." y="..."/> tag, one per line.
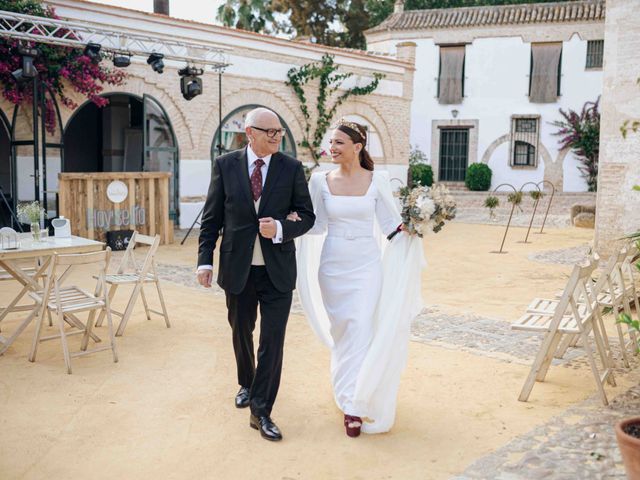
<point x="618" y="206"/>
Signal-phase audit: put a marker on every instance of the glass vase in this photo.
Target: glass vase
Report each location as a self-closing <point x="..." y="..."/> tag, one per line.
<point x="35" y="231"/>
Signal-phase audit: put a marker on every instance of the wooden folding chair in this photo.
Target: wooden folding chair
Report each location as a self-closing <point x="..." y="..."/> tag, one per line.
<point x="66" y="301"/>
<point x="608" y="290"/>
<point x="130" y="273"/>
<point x="13" y="306"/>
<point x="615" y="291"/>
<point x="576" y="313"/>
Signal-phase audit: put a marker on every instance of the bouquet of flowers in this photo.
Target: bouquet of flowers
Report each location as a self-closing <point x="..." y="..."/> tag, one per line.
<point x="425" y="208"/>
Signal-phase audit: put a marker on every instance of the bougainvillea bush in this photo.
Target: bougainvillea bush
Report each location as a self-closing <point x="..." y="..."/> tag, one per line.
<point x="58" y="67"/>
<point x="581" y="133"/>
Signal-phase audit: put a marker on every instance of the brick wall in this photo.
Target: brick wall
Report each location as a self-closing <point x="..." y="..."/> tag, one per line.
<point x="618" y="206"/>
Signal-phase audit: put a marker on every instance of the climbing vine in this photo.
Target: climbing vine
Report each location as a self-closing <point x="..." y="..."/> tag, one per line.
<point x="329" y="81"/>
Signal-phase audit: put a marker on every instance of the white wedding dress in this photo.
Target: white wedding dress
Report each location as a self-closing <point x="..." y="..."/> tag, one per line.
<point x="358" y="304"/>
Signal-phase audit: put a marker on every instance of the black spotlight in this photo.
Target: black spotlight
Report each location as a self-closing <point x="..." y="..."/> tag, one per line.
<point x="190" y="82"/>
<point x="155" y="60"/>
<point x="121" y="60"/>
<point x="28" y="70"/>
<point x="92" y="50"/>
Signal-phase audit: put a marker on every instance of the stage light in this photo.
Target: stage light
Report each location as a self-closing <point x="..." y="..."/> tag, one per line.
<point x="92" y="50"/>
<point x="155" y="60"/>
<point x="28" y="70"/>
<point x="190" y="82"/>
<point x="121" y="60"/>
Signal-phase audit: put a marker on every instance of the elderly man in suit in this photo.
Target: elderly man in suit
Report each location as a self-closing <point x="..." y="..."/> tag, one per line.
<point x="252" y="191"/>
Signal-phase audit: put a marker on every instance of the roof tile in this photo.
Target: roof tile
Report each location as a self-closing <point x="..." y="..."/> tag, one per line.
<point x="556" y="12"/>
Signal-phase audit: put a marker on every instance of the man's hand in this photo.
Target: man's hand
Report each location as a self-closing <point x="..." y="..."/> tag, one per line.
<point x="204" y="277"/>
<point x="268" y="228"/>
<point x="294" y="217"/>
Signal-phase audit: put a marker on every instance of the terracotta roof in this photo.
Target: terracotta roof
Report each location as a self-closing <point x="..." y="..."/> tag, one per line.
<point x="532" y="13"/>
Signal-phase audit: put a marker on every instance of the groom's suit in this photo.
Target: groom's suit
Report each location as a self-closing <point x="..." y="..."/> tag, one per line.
<point x="251" y="276"/>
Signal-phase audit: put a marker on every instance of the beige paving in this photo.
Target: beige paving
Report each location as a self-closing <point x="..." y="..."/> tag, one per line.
<point x="166" y="409"/>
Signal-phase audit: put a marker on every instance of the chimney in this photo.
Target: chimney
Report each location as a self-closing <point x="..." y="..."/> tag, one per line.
<point x="398" y="7"/>
<point x="161" y="6"/>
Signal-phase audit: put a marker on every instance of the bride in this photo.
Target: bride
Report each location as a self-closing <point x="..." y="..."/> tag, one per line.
<point x="358" y="303"/>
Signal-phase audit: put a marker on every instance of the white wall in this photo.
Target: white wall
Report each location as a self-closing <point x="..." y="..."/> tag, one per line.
<point x="496" y="87"/>
<point x="196" y="174"/>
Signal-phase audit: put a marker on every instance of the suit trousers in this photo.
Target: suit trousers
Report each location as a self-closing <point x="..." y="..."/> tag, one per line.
<point x="263" y="380"/>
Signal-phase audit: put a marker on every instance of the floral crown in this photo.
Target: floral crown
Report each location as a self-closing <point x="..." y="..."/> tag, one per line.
<point x="353" y="126"/>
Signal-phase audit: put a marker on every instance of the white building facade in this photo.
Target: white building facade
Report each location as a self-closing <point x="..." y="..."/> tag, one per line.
<point x="489" y="82"/>
<point x="183" y="135"/>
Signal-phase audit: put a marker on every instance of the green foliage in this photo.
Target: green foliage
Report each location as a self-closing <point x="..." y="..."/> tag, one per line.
<point x="325" y="75"/>
<point x="252" y="15"/>
<point x="421" y="174"/>
<point x="630" y="125"/>
<point x="515" y="198"/>
<point x="633" y="324"/>
<point x="536" y="194"/>
<point x="491" y="202"/>
<point x="581" y="133"/>
<point x="417" y="156"/>
<point x="328" y="22"/>
<point x="478" y="177"/>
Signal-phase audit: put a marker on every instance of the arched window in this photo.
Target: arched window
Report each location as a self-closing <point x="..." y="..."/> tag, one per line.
<point x="234" y="137"/>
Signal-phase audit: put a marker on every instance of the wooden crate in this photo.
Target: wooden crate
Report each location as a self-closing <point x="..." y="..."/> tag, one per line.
<point x="84" y="201"/>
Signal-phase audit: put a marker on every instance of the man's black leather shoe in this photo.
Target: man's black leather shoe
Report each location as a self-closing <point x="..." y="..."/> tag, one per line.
<point x="242" y="398"/>
<point x="267" y="428"/>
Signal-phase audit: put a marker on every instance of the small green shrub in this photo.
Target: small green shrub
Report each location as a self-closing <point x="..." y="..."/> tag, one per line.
<point x="422" y="174"/>
<point x="478" y="177"/>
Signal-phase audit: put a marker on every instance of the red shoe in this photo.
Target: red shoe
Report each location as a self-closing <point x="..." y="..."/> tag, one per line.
<point x="352" y="425"/>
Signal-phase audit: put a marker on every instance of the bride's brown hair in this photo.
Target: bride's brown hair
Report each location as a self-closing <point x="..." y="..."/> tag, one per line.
<point x="358" y="134"/>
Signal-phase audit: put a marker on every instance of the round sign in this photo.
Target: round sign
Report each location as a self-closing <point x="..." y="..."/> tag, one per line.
<point x="117" y="191"/>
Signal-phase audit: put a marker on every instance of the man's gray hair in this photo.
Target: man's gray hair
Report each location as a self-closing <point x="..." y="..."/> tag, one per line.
<point x="250" y="119"/>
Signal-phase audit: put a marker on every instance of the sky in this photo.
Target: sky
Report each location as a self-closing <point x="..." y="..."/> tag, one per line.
<point x="199" y="10"/>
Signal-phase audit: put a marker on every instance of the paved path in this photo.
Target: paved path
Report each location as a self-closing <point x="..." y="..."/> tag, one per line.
<point x="579" y="444"/>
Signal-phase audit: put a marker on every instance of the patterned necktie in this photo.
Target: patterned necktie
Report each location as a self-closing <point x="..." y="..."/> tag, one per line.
<point x="256" y="179"/>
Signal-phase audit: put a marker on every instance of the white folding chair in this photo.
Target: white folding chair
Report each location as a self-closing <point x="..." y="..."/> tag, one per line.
<point x="66" y="301"/>
<point x="6" y="276"/>
<point x="129" y="273"/>
<point x="608" y="290"/>
<point x="576" y="313"/>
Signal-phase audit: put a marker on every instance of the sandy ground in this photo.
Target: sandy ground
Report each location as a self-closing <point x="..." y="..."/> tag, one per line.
<point x="166" y="409"/>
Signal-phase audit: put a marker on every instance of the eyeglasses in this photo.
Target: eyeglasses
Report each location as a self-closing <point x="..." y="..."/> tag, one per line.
<point x="272" y="132"/>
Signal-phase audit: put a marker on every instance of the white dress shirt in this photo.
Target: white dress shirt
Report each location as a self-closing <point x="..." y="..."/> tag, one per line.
<point x="251" y="158"/>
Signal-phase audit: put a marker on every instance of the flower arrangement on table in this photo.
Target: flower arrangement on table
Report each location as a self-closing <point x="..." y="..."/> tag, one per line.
<point x="32" y="212"/>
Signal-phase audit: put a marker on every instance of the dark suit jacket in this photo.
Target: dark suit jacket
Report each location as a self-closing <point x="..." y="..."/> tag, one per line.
<point x="229" y="209"/>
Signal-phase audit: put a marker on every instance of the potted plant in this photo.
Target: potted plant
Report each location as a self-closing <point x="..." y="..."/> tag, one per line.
<point x="32" y="212"/>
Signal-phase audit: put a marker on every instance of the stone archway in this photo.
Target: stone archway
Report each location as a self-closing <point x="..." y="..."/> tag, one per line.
<point x="552" y="170"/>
<point x="390" y="150"/>
<point x="253" y="96"/>
<point x="140" y="83"/>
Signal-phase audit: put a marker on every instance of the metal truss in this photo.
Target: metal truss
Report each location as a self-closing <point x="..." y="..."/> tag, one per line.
<point x="78" y="35"/>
